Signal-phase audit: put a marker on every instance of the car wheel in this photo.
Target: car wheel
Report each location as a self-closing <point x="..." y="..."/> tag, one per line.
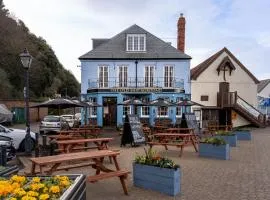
<point x="22" y="145"/>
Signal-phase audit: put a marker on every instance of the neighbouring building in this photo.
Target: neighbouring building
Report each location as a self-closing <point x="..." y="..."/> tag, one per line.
<point x="134" y="63"/>
<point x="228" y="91"/>
<point x="264" y="88"/>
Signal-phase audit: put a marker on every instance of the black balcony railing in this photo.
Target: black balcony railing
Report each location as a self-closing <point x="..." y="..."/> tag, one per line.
<point x="142" y="82"/>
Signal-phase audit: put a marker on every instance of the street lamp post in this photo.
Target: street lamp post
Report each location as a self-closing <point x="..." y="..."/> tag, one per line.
<point x="26" y="60"/>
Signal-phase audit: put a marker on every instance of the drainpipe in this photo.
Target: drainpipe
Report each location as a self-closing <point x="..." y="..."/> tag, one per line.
<point x="136" y="77"/>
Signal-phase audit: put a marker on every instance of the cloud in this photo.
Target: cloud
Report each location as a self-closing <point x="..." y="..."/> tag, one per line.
<point x="69" y="25"/>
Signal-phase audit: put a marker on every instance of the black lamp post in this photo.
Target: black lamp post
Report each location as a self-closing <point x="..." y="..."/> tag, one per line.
<point x="26" y="60"/>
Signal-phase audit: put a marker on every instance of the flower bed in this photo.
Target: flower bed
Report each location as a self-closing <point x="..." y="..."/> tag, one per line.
<point x="243" y="134"/>
<point x="214" y="148"/>
<point x="157" y="173"/>
<point x="43" y="188"/>
<point x="228" y="136"/>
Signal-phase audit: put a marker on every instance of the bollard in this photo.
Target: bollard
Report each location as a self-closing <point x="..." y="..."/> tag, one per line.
<point x="37" y="145"/>
<point x="3" y="157"/>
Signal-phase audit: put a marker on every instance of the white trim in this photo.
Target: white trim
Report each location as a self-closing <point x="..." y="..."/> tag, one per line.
<point x="108" y="69"/>
<point x="145" y="116"/>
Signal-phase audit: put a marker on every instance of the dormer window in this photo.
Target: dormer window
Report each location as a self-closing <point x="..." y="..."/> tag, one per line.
<point x="136" y="42"/>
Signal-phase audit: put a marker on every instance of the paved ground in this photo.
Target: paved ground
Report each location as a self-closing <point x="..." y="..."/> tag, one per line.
<point x="246" y="176"/>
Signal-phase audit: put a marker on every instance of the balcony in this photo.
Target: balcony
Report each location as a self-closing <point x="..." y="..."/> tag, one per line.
<point x="131" y="83"/>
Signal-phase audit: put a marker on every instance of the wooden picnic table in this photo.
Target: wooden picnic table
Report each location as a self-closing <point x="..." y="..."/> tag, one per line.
<point x="82" y="132"/>
<point x="96" y="158"/>
<point x="175" y="139"/>
<point x="69" y="145"/>
<point x="180" y="130"/>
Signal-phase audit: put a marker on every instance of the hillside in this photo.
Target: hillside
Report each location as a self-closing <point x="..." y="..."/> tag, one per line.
<point x="47" y="75"/>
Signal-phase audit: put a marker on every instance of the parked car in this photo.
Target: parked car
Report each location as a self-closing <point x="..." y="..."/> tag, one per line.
<point x="53" y="123"/>
<point x="70" y="119"/>
<point x="17" y="135"/>
<point x="10" y="148"/>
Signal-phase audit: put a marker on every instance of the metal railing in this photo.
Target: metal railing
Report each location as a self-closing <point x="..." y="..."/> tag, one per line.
<point x="140" y="82"/>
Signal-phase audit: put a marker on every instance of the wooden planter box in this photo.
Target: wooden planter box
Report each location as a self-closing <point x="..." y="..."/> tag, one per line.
<point x="77" y="191"/>
<point x="8" y="170"/>
<point x="243" y="135"/>
<point x="164" y="180"/>
<point x="214" y="151"/>
<point x="230" y="139"/>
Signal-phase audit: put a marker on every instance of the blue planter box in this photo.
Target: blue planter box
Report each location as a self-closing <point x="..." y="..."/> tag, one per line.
<point x="164" y="180"/>
<point x="230" y="139"/>
<point x="213" y="151"/>
<point x="243" y="135"/>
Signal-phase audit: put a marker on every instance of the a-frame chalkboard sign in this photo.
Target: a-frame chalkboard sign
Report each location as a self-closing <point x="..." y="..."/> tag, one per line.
<point x="132" y="131"/>
<point x="189" y="121"/>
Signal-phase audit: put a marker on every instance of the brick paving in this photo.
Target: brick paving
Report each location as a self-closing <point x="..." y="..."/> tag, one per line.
<point x="245" y="176"/>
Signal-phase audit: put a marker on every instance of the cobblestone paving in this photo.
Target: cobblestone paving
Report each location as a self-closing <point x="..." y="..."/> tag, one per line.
<point x="246" y="176"/>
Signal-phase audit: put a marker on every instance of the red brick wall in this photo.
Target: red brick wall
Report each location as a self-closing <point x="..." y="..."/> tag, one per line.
<point x="36" y="114"/>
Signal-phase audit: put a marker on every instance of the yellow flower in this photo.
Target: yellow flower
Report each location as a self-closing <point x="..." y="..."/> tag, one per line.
<point x="19" y="192"/>
<point x="36" y="186"/>
<point x="45" y="189"/>
<point x="15" y="185"/>
<point x="64" y="183"/>
<point x="55" y="189"/>
<point x="44" y="196"/>
<point x="13" y="198"/>
<point x="32" y="194"/>
<point x="28" y="198"/>
<point x="36" y="180"/>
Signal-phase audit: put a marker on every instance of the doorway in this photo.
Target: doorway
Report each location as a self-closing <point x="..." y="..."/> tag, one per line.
<point x="109" y="111"/>
<point x="225" y="117"/>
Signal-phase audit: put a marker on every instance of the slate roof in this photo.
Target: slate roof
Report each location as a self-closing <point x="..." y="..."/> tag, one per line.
<point x="115" y="48"/>
<point x="196" y="71"/>
<point x="263" y="84"/>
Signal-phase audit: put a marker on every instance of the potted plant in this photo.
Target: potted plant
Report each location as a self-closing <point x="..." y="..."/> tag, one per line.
<point x="214" y="148"/>
<point x="62" y="187"/>
<point x="151" y="171"/>
<point x="228" y="136"/>
<point x="242" y="134"/>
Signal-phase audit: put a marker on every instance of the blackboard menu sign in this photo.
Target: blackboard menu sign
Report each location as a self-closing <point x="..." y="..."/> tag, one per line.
<point x="132" y="131"/>
<point x="189" y="121"/>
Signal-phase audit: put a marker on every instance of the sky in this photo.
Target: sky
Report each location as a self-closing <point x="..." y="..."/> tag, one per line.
<point x="69" y="25"/>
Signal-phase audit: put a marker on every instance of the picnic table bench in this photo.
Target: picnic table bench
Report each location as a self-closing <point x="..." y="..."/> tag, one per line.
<point x="174" y="139"/>
<point x="82" y="132"/>
<point x="96" y="157"/>
<point x="69" y="145"/>
<point x="180" y="130"/>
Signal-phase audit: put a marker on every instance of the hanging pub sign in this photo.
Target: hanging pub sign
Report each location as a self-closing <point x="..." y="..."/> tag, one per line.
<point x="132" y="131"/>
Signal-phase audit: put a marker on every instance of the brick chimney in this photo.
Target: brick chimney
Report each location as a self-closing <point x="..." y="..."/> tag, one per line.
<point x="181" y="33"/>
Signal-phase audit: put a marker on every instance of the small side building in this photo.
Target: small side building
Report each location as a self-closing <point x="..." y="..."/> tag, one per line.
<point x="228" y="91"/>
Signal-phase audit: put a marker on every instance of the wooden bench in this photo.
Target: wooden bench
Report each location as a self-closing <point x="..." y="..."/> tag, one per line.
<point x="165" y="144"/>
<point x="122" y="174"/>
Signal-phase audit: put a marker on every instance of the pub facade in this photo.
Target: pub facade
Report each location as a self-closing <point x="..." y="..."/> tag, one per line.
<point x="134" y="64"/>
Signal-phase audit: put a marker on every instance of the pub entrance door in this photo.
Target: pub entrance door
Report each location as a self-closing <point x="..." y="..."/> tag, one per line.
<point x="109" y="111"/>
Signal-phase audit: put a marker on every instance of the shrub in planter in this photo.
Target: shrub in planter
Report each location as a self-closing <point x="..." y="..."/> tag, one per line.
<point x="69" y="187"/>
<point x="242" y="134"/>
<point x="150" y="171"/>
<point x="228" y="136"/>
<point x="214" y="148"/>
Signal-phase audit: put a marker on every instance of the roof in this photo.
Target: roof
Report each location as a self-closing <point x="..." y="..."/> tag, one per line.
<point x="262" y="84"/>
<point x="115" y="48"/>
<point x="196" y="71"/>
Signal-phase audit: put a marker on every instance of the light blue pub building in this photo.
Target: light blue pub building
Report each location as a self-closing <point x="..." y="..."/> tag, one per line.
<point x="134" y="63"/>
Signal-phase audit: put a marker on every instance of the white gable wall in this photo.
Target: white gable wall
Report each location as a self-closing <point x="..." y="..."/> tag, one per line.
<point x="208" y="84"/>
<point x="265" y="92"/>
